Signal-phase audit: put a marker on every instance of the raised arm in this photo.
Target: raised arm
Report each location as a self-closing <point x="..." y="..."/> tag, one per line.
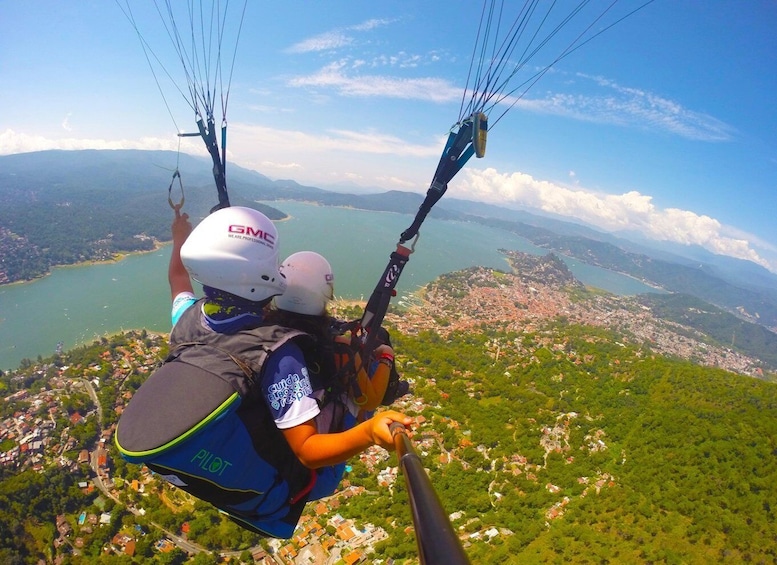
<point x="177" y="275"/>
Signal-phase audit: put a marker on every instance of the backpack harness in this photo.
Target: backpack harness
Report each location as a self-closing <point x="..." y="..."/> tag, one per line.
<point x="201" y="422"/>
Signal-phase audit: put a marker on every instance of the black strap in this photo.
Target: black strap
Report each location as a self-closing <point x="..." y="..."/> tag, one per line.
<point x="219" y="168"/>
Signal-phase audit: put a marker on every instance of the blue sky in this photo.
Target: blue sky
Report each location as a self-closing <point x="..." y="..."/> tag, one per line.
<point x="664" y="125"/>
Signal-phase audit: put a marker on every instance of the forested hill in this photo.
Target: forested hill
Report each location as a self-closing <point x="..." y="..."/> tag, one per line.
<point x="557" y="424"/>
<point x="755" y="303"/>
<point x="64" y="207"/>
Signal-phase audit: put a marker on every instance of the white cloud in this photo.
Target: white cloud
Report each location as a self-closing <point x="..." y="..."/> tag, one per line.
<point x="279" y="166"/>
<point x="630" y="107"/>
<point x="12" y="142"/>
<point x="324" y="42"/>
<point x="630" y="211"/>
<point x="333" y="76"/>
<point x="371" y="24"/>
<point x="335" y="39"/>
<point x="397" y="182"/>
<point x="608" y="103"/>
<point x="261" y="139"/>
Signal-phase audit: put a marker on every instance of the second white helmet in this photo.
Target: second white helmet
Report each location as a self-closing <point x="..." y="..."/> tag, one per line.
<point x="235" y="249"/>
<point x="310" y="284"/>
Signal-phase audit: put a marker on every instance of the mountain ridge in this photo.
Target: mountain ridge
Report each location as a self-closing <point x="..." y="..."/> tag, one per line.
<point x="100" y="202"/>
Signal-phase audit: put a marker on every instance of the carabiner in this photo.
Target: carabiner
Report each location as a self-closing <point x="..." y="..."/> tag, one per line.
<point x="174" y="206"/>
<point x="415" y="240"/>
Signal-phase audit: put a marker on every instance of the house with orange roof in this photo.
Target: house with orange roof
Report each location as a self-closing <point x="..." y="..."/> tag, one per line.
<point x="353" y="557"/>
<point x="287" y="552"/>
<point x="345" y="532"/>
<point x="129" y="548"/>
<point x="102" y="457"/>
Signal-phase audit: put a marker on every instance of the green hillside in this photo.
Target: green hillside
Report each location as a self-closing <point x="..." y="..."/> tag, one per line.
<point x="554" y="442"/>
<point x="725" y="328"/>
<point x="757" y="304"/>
<point x="599" y="452"/>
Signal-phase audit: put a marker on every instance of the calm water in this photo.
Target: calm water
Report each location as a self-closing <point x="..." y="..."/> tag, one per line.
<point x="75" y="305"/>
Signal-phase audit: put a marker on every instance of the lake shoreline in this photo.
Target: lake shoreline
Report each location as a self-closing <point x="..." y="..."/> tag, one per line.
<point x="115" y="258"/>
<point x="77" y="305"/>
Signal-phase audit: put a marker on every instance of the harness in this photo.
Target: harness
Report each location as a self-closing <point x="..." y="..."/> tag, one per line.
<point x="200" y="422"/>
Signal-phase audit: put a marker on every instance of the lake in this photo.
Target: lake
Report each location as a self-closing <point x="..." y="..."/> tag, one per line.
<point x="75" y="305"/>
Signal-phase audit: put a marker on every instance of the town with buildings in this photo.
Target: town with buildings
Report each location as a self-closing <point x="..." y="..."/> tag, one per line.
<point x="539" y="290"/>
<point x="33" y="440"/>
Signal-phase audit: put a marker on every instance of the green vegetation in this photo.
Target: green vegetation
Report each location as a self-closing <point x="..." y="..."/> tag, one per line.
<point x="702" y="281"/>
<point x="67" y="207"/>
<point x="685" y="466"/>
<point x="29" y="505"/>
<point x="567" y="444"/>
<point x="725" y="328"/>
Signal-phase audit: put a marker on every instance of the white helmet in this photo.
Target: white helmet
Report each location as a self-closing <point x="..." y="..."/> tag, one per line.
<point x="235" y="249"/>
<point x="310" y="284"/>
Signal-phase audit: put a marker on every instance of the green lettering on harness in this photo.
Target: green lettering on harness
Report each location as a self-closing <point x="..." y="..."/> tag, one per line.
<point x="211" y="463"/>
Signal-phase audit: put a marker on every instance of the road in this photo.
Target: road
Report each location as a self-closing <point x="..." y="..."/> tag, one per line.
<point x="185" y="545"/>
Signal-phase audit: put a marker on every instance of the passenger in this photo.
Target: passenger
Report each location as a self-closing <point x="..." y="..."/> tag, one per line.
<point x="303" y="306"/>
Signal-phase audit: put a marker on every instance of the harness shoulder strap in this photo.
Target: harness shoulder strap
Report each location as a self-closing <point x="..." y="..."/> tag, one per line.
<point x="243" y="365"/>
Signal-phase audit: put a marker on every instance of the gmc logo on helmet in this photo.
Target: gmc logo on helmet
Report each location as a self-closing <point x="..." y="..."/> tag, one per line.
<point x="252" y="232"/>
